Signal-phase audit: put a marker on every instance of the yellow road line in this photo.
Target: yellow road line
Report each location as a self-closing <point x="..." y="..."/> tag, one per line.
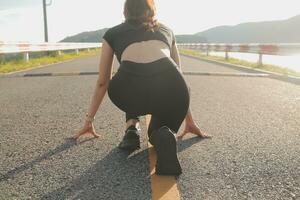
<point x="163" y="187"/>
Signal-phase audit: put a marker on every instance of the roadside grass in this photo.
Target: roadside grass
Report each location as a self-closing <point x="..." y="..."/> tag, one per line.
<point x="267" y="67"/>
<point x="19" y="64"/>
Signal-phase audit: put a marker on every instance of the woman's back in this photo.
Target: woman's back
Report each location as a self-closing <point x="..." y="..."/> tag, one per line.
<point x="146" y="51"/>
<point x="139" y="45"/>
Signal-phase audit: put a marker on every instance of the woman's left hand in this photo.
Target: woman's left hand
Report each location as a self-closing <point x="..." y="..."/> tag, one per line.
<point x="194" y="129"/>
<point x="88" y="128"/>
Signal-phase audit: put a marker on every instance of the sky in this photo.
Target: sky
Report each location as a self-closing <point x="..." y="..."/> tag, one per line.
<point x="22" y="20"/>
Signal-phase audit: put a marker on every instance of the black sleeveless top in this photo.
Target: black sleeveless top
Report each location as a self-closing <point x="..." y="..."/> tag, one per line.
<point x="124" y="34"/>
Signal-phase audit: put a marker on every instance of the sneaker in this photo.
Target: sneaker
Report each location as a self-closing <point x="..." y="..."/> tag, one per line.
<point x="131" y="139"/>
<point x="164" y="143"/>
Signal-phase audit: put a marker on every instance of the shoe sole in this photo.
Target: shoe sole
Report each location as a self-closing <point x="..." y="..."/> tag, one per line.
<point x="166" y="150"/>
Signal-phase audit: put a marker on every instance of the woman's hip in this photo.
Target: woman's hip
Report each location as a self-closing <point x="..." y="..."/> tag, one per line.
<point x="160" y="87"/>
<point x="167" y="81"/>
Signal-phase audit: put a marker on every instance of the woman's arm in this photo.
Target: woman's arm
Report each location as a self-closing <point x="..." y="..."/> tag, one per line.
<point x="105" y="74"/>
<point x="176" y="58"/>
<point x="105" y="69"/>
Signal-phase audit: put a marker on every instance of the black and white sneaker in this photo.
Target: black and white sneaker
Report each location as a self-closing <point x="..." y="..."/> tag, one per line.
<point x="165" y="145"/>
<point x="131" y="139"/>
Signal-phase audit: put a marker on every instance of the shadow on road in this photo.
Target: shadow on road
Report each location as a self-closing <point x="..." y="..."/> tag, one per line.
<point x="116" y="176"/>
<point x="119" y="175"/>
<point x="186" y="143"/>
<point x="68" y="143"/>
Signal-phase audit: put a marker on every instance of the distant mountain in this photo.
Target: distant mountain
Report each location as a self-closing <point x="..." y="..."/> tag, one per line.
<point x="190" y="38"/>
<point x="91" y="36"/>
<point x="96" y="36"/>
<point x="281" y="31"/>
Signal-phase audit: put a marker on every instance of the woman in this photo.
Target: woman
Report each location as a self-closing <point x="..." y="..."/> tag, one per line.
<point x="148" y="81"/>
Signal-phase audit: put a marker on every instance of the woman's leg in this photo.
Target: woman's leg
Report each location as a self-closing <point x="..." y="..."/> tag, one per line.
<point x="161" y="131"/>
<point x="173" y="121"/>
<point x="127" y="93"/>
<point x="170" y="101"/>
<point x="169" y="105"/>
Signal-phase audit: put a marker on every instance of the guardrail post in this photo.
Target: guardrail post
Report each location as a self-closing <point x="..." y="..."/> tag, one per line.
<point x="226" y="55"/>
<point x="260" y="62"/>
<point x="26" y="57"/>
<point x="2" y="58"/>
<point x="59" y="52"/>
<point x="77" y="51"/>
<point x="207" y="52"/>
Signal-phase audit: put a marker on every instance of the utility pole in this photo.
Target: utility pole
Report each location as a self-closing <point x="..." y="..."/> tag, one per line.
<point x="45" y="18"/>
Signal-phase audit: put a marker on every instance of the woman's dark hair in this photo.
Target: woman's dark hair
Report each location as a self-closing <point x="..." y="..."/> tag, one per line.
<point x="141" y="13"/>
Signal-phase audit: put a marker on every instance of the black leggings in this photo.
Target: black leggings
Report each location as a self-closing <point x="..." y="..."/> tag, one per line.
<point x="155" y="88"/>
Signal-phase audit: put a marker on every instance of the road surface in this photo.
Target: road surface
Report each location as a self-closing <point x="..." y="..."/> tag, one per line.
<point x="254" y="153"/>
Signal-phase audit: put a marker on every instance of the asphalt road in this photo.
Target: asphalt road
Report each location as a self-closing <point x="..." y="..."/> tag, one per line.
<point x="254" y="153"/>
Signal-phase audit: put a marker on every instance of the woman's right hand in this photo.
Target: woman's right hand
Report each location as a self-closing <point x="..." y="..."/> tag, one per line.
<point x="192" y="127"/>
<point x="88" y="128"/>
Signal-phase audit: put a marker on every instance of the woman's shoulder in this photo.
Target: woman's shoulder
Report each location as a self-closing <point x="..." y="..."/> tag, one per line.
<point x="124" y="26"/>
<point x="164" y="26"/>
<point x="116" y="28"/>
<point x="165" y="29"/>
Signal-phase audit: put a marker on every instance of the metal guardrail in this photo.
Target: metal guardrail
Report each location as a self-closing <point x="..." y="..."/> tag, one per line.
<point x="261" y="49"/>
<point x="26" y="47"/>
